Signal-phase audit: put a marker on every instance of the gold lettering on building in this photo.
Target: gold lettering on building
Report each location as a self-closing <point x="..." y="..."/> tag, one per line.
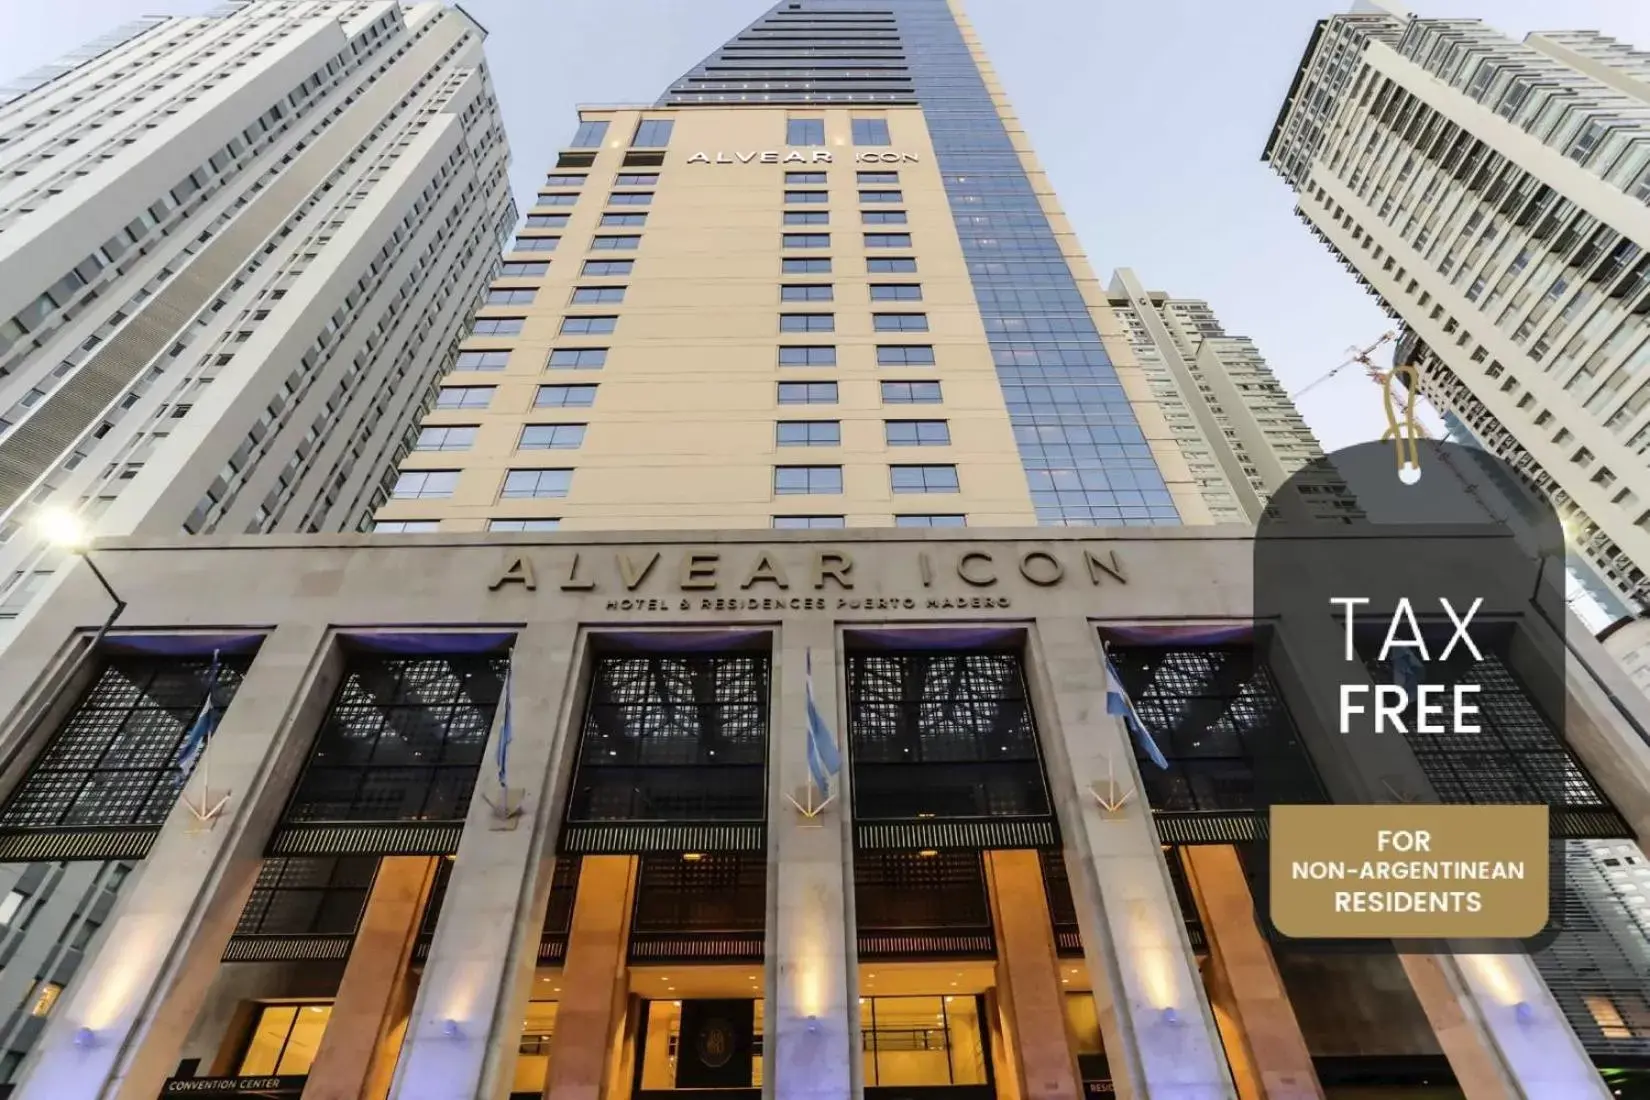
<point x="970" y="575"/>
<point x="632" y="574"/>
<point x="834" y="564"/>
<point x="699" y="572"/>
<point x="519" y="571"/>
<point x="1042" y="568"/>
<point x="765" y="570"/>
<point x="773" y="156"/>
<point x="574" y="582"/>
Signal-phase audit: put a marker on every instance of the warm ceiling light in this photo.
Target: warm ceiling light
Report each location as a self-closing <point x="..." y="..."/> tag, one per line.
<point x="693" y="857"/>
<point x="928" y="853"/>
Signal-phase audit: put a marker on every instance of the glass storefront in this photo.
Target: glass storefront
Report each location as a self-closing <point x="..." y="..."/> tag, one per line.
<point x="923" y="1041"/>
<point x="284" y="1040"/>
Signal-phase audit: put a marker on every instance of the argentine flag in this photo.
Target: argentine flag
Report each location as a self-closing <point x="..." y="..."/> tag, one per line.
<point x="1117" y="702"/>
<point x="195" y="743"/>
<point x="823" y="759"/>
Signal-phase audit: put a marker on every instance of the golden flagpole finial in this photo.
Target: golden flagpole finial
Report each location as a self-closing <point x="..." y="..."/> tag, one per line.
<point x="1403" y="436"/>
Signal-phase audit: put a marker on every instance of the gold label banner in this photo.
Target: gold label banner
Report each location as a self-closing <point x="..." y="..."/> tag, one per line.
<point x="1409" y="871"/>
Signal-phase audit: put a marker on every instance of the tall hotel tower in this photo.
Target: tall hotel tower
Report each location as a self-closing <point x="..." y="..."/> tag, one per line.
<point x="722" y="707"/>
<point x="1491" y="194"/>
<point x="236" y="252"/>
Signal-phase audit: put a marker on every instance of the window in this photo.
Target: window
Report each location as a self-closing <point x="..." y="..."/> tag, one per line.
<point x="807" y="240"/>
<point x="794" y="178"/>
<point x="636" y="179"/>
<point x="608" y="267"/>
<point x="808" y="433"/>
<point x="887" y="240"/>
<point x="547" y="221"/>
<point x="871" y="131"/>
<point x="615" y="244"/>
<point x="807" y="322"/>
<point x="652" y="133"/>
<point x="630" y="198"/>
<point x="807" y="265"/>
<point x="882" y="217"/>
<point x="519" y="297"/>
<point x="406" y="526"/>
<point x="820" y="356"/>
<point x="589" y="135"/>
<point x="881" y="196"/>
<point x="900" y="322"/>
<point x="577" y="358"/>
<point x="923" y="479"/>
<point x="556" y="179"/>
<point x="497" y="326"/>
<point x="425" y="485"/>
<point x="796" y="480"/>
<point x="536" y="484"/>
<point x="905" y="355"/>
<point x="464" y="397"/>
<point x="918" y="433"/>
<point x="624" y="220"/>
<point x="445" y="438"/>
<point x="931" y="521"/>
<point x="911" y="393"/>
<point x="535" y="244"/>
<point x="523" y="524"/>
<point x="886" y="265"/>
<point x="911" y="1042"/>
<point x="558" y="198"/>
<point x="285" y="1040"/>
<point x="596" y="295"/>
<point x="551" y="437"/>
<point x="481" y="360"/>
<point x="807" y="217"/>
<point x="805" y="131"/>
<point x="807" y="393"/>
<point x="877" y="177"/>
<point x="803" y="198"/>
<point x="806" y="292"/>
<point x="522" y="269"/>
<point x="896" y="292"/>
<point x="581" y="326"/>
<point x="564" y="397"/>
<point x="806" y="523"/>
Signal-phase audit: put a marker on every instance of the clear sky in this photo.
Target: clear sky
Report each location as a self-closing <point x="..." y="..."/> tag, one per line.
<point x="1149" y="116"/>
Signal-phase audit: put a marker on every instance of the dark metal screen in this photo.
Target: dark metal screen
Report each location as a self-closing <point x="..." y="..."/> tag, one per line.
<point x="674" y="738"/>
<point x="1220" y="721"/>
<point x="1062" y="907"/>
<point x="305" y="896"/>
<point x="1515" y="757"/>
<point x="699" y="905"/>
<point x="943" y="735"/>
<point x="114" y="761"/>
<point x="917" y="904"/>
<point x="403" y="741"/>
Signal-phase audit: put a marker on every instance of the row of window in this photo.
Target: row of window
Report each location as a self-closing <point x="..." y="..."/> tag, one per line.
<point x="631" y="242"/>
<point x="605" y="324"/>
<point x="583" y="395"/>
<point x="605" y="295"/>
<point x="790" y="355"/>
<point x="792" y="217"/>
<point x="790" y="265"/>
<point x="577" y="180"/>
<point x="787" y="433"/>
<point x="553" y="484"/>
<point x="654" y="133"/>
<point x="780" y="523"/>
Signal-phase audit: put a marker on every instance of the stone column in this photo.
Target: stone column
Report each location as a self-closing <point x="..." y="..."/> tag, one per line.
<point x="585" y="1049"/>
<point x="1028" y="977"/>
<point x="1278" y="1065"/>
<point x="355" y="1057"/>
<point x="465" y="1031"/>
<point x="1160" y="1035"/>
<point x="122" y="1028"/>
<point x="1494" y="1016"/>
<point x="811" y="1014"/>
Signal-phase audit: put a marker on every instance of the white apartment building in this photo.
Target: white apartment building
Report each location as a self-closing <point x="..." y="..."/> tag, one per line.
<point x="1242" y="436"/>
<point x="1492" y="194"/>
<point x="236" y="253"/>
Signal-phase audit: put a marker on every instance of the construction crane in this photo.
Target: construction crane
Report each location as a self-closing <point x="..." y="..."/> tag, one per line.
<point x="1355" y="355"/>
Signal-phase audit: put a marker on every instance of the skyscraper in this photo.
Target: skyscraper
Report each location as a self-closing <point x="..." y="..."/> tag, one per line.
<point x="667" y="801"/>
<point x="1491" y="194"/>
<point x="1241" y="435"/>
<point x="236" y="252"/>
<point x="822" y="281"/>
